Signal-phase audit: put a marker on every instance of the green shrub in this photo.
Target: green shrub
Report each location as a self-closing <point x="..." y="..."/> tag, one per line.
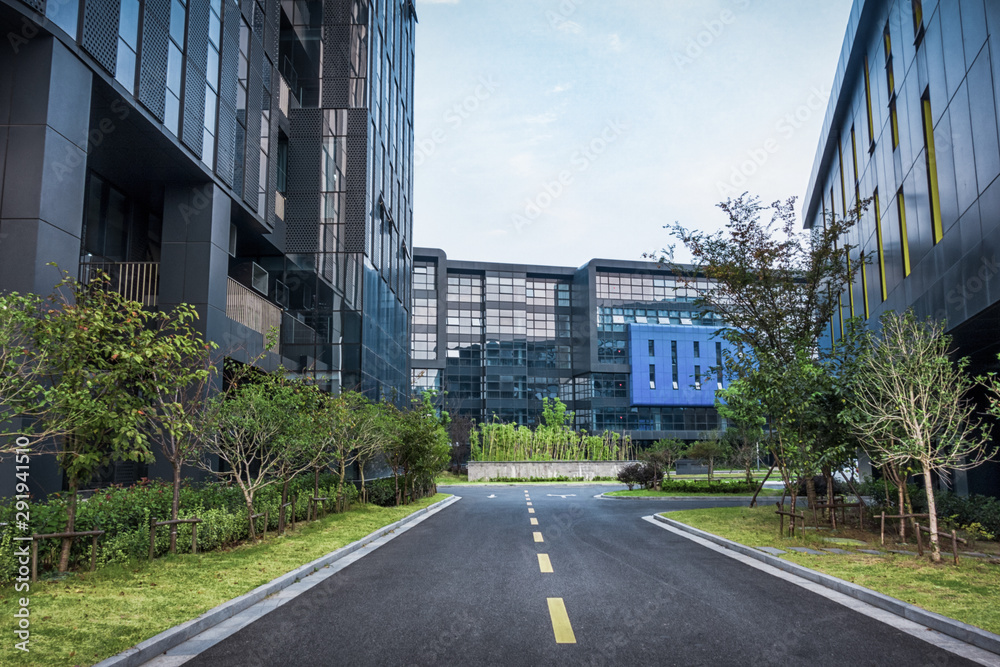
<point x="715" y="486"/>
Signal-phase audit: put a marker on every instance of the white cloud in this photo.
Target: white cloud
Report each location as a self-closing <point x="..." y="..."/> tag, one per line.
<point x="615" y="42"/>
<point x="570" y="27"/>
<point x="542" y="118"/>
<point x="438" y="2"/>
<point x="562" y="88"/>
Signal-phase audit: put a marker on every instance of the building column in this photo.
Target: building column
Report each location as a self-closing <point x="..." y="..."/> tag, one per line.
<point x="44" y="120"/>
<point x="194" y="260"/>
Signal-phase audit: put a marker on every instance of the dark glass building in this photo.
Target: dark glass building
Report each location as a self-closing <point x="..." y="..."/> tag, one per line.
<point x="913" y="125"/>
<point x="619" y="342"/>
<point x="252" y="158"/>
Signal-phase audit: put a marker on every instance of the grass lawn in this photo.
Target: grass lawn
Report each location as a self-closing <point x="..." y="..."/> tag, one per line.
<point x="86" y="617"/>
<point x="649" y="493"/>
<point x="967" y="593"/>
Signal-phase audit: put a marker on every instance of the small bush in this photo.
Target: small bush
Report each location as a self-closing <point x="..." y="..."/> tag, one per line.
<point x="634" y="474"/>
<point x="716" y="486"/>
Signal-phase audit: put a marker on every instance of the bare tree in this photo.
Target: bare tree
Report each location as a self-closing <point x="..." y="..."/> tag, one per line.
<point x="910" y="403"/>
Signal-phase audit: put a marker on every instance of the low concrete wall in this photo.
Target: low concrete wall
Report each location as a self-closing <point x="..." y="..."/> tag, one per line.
<point x="487" y="470"/>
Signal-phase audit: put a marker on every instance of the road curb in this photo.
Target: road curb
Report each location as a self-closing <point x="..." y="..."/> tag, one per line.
<point x="168" y="639"/>
<point x="603" y="496"/>
<point x="948" y="626"/>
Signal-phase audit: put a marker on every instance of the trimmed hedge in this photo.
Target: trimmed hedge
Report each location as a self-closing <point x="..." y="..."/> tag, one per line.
<point x="124" y="514"/>
<point x="716" y="486"/>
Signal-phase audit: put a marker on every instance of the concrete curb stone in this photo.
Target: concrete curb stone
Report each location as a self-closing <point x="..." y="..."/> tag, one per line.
<point x="168" y="639"/>
<point x="948" y="626"/>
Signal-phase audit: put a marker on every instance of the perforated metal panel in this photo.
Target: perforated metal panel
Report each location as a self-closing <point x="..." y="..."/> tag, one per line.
<point x="192" y="129"/>
<point x="357" y="122"/>
<point x="337" y="11"/>
<point x="225" y="154"/>
<point x="37" y="5"/>
<point x="99" y="36"/>
<point x="273" y="16"/>
<point x="197" y="33"/>
<point x="272" y="157"/>
<point x="153" y="56"/>
<point x="238" y="161"/>
<point x="336" y="92"/>
<point x="251" y="164"/>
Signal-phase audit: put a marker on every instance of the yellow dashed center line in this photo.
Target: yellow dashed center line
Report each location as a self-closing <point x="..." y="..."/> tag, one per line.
<point x="560" y="622"/>
<point x="534" y="521"/>
<point x="544" y="564"/>
<point x="529" y="504"/>
<point x="538" y="536"/>
<point x="531" y="510"/>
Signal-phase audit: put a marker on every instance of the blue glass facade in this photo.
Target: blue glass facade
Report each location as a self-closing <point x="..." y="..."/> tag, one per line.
<point x="684" y="365"/>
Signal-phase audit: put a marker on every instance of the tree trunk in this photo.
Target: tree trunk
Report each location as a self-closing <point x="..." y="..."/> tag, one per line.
<point x="395" y="479"/>
<point x="316" y="484"/>
<point x="932" y="511"/>
<point x="67" y="542"/>
<point x="811" y="492"/>
<point x="281" y="511"/>
<point x="342" y="472"/>
<point x="753" y="502"/>
<point x="364" y="491"/>
<point x="253" y="530"/>
<point x="711" y="468"/>
<point x="175" y="506"/>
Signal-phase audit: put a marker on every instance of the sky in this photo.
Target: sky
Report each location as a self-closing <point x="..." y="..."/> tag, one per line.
<point x="556" y="131"/>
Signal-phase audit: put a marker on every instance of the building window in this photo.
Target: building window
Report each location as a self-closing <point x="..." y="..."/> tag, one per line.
<point x="883" y="291"/>
<point x="697" y="378"/>
<point x="868" y="108"/>
<point x="282" y="164"/>
<point x="718" y="363"/>
<point x="175" y="66"/>
<point x="64" y="14"/>
<point x="697" y="350"/>
<point x="128" y="40"/>
<point x="918" y="19"/>
<point x="652" y="349"/>
<point x="904" y="239"/>
<point x="652" y="376"/>
<point x="890" y="83"/>
<point x="673" y="364"/>
<point x="105" y="224"/>
<point x="212" y="83"/>
<point x="932" y="175"/>
<point x="864" y="283"/>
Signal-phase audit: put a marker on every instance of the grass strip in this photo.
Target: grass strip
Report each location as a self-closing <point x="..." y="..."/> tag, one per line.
<point x="966" y="593"/>
<point x="650" y="493"/>
<point x="84" y="618"/>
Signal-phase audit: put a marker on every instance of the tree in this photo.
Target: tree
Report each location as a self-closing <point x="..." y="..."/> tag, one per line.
<point x="175" y="389"/>
<point x="98" y="347"/>
<point x="662" y="455"/>
<point x="776" y="288"/>
<point x="708" y="450"/>
<point x="910" y="403"/>
<point x="252" y="426"/>
<point x="426" y="448"/>
<point x="22" y="364"/>
<point x="744" y="425"/>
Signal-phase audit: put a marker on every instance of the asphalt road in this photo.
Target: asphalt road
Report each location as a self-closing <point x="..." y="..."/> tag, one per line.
<point x="466" y="587"/>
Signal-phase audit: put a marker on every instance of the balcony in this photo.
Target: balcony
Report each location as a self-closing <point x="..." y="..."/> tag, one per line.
<point x="136" y="281"/>
<point x="253" y="311"/>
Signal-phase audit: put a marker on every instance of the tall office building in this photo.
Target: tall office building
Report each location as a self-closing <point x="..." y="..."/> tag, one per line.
<point x="913" y="125"/>
<point x="252" y="158"/>
<point x="619" y="342"/>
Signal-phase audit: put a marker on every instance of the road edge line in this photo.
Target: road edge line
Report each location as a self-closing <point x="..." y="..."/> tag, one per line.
<point x="158" y="644"/>
<point x="969" y="634"/>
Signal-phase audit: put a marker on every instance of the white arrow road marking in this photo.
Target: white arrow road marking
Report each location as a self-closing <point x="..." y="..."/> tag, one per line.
<point x="492" y="495"/>
<point x="556" y="495"/>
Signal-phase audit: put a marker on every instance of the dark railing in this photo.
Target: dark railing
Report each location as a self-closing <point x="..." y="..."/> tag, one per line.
<point x="136" y="281"/>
